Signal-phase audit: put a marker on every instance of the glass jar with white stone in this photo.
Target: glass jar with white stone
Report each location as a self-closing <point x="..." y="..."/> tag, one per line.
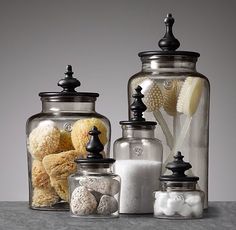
<point x="178" y="197"/>
<point x="94" y="190"/>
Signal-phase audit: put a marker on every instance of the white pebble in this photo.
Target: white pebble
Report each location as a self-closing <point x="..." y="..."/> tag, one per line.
<point x="82" y="202"/>
<point x="175" y="203"/>
<point x="185" y="211"/>
<point x="197" y="210"/>
<point x="107" y="205"/>
<point x="106" y="186"/>
<point x="193" y="199"/>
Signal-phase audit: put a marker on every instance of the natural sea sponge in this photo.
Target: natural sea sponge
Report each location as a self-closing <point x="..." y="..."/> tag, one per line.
<point x="44" y="139"/>
<point x="40" y="178"/>
<point x="80" y="136"/>
<point x="61" y="165"/>
<point x="65" y="143"/>
<point x="61" y="188"/>
<point x="43" y="197"/>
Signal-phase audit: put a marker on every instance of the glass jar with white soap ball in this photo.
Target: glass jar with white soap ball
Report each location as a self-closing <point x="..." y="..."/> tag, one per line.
<point x="55" y="137"/>
<point x="177" y="97"/>
<point x="178" y="198"/>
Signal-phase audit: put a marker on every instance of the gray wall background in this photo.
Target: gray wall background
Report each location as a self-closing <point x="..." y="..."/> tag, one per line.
<point x="101" y="39"/>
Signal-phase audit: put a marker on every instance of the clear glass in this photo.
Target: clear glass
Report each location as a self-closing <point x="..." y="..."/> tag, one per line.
<point x="178" y="200"/>
<point x="138" y="162"/>
<point x="94" y="193"/>
<point x="55" y="137"/>
<point x="178" y="98"/>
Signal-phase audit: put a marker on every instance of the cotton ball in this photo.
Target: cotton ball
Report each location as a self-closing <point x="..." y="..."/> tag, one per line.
<point x="185" y="210"/>
<point x="175" y="203"/>
<point x="197" y="210"/>
<point x="161" y="198"/>
<point x="193" y="199"/>
<point x="157" y="208"/>
<point x="168" y="211"/>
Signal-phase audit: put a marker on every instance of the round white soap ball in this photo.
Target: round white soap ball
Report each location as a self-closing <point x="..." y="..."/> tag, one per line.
<point x="185" y="211"/>
<point x="176" y="202"/>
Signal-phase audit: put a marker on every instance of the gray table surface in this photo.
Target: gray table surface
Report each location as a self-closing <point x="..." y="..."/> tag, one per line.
<point x="17" y="215"/>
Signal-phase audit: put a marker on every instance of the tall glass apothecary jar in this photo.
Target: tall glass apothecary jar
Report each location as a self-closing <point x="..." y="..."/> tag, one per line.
<point x="56" y="137"/>
<point x="138" y="160"/>
<point x="177" y="97"/>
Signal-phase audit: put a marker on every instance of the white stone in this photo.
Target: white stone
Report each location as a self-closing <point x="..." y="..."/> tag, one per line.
<point x="107" y="205"/>
<point x="82" y="202"/>
<point x="185" y="211"/>
<point x="106" y="186"/>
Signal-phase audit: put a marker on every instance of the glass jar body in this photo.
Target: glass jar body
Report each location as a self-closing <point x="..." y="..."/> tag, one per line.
<point x="178" y="98"/>
<point x="182" y="201"/>
<point x="55" y="137"/>
<point x="94" y="193"/>
<point x="138" y="162"/>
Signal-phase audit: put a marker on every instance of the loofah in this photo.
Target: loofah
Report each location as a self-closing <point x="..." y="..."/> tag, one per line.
<point x="61" y="165"/>
<point x="43" y="197"/>
<point x="65" y="143"/>
<point x="170" y="96"/>
<point x="80" y="136"/>
<point x="40" y="178"/>
<point x="44" y="139"/>
<point x="190" y="95"/>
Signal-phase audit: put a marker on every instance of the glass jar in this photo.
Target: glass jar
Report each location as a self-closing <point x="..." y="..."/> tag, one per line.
<point x="55" y="137"/>
<point x="177" y="97"/>
<point x="94" y="189"/>
<point x="138" y="161"/>
<point x="178" y="198"/>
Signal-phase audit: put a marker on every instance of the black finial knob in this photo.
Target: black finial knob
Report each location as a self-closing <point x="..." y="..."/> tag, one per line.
<point x="69" y="83"/>
<point x="169" y="42"/>
<point x="178" y="166"/>
<point x="94" y="146"/>
<point x="138" y="107"/>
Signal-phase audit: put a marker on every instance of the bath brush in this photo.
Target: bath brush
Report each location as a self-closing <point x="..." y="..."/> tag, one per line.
<point x="153" y="99"/>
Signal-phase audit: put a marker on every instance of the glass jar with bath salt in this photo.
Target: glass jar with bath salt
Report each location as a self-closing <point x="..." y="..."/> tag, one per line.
<point x="177" y="96"/>
<point x="58" y="135"/>
<point x="138" y="160"/>
<point x="178" y="197"/>
<point x="94" y="189"/>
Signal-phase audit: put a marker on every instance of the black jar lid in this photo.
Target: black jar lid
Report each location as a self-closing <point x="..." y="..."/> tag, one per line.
<point x="94" y="148"/>
<point x="69" y="83"/>
<point x="178" y="167"/>
<point x="138" y="107"/>
<point x="168" y="44"/>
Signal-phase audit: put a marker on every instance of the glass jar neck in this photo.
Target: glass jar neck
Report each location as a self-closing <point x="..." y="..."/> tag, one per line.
<point x="178" y="186"/>
<point x="177" y="63"/>
<point x="72" y="107"/>
<point x="129" y="131"/>
<point x="94" y="170"/>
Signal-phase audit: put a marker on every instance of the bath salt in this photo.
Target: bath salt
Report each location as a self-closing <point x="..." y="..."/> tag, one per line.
<point x="139" y="179"/>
